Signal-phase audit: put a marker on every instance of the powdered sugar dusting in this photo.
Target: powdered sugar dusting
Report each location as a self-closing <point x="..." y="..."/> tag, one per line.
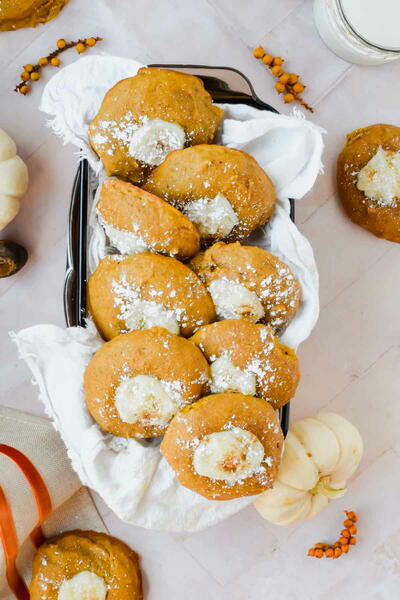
<point x="379" y="179"/>
<point x="143" y="314"/>
<point x="213" y="216"/>
<point x="229" y="456"/>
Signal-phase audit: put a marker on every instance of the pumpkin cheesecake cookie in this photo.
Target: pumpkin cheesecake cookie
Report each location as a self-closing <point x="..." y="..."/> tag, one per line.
<point x="85" y="565"/>
<point x="15" y="14"/>
<point x="248" y="283"/>
<point x="222" y="190"/>
<point x="368" y="179"/>
<point x="135" y="220"/>
<point x="136" y="383"/>
<point x="225" y="446"/>
<point x="146" y="289"/>
<point x="143" y="118"/>
<point x="248" y="358"/>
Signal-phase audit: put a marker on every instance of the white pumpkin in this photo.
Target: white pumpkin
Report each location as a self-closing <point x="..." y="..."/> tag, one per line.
<point x="13" y="179"/>
<point x="319" y="456"/>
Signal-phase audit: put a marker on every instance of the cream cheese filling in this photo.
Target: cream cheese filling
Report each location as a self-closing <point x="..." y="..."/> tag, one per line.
<point x="144" y="314"/>
<point x="154" y="140"/>
<point x="229" y="456"/>
<point x="212" y="216"/>
<point x="234" y="301"/>
<point x="126" y="242"/>
<point x="379" y="179"/>
<point x="225" y="377"/>
<point x="147" y="400"/>
<point x="83" y="586"/>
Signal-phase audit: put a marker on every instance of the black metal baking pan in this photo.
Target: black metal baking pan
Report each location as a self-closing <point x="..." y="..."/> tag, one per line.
<point x="225" y="85"/>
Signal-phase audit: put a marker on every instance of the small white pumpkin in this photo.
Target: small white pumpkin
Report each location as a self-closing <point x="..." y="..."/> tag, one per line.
<point x="320" y="454"/>
<point x="13" y="179"/>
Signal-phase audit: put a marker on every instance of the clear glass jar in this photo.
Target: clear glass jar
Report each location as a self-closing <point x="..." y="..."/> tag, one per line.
<point x="340" y="37"/>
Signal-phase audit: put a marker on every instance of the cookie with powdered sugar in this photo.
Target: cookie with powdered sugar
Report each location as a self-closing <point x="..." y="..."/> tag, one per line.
<point x="143" y="118"/>
<point x="85" y="564"/>
<point x="137" y="382"/>
<point x="143" y="290"/>
<point x="246" y="282"/>
<point x="248" y="358"/>
<point x="368" y="179"/>
<point x="225" y="446"/>
<point x="135" y="221"/>
<point x="222" y="190"/>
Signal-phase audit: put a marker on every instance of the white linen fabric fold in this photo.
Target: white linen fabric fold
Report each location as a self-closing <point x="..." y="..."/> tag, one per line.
<point x="133" y="478"/>
<point x="289" y="149"/>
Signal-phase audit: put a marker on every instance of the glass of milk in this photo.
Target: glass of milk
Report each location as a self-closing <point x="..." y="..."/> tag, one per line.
<point x="366" y="32"/>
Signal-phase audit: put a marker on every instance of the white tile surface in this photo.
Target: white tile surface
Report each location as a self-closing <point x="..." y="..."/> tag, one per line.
<point x="258" y="19"/>
<point x="233" y="546"/>
<point x="350" y="363"/>
<point x="295" y="40"/>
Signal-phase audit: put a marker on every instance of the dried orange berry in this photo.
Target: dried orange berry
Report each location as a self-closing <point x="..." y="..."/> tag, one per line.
<point x="279" y="87"/>
<point x="329" y="552"/>
<point x="28" y="68"/>
<point x="288" y="98"/>
<point x="35" y="76"/>
<point x="267" y="59"/>
<point x="284" y="78"/>
<point x="298" y="87"/>
<point x="24" y="89"/>
<point x="319" y="553"/>
<point x="353" y="541"/>
<point x="80" y="47"/>
<point x="343" y="540"/>
<point x="61" y="43"/>
<point x="293" y="78"/>
<point x="348" y="523"/>
<point x="351" y="515"/>
<point x="90" y="41"/>
<point x="258" y="52"/>
<point x="43" y="61"/>
<point x="311" y="552"/>
<point x="345" y="533"/>
<point x="276" y="70"/>
<point x="55" y="62"/>
<point x="353" y="530"/>
<point x="278" y="61"/>
<point x="337" y="552"/>
<point x="319" y="545"/>
<point x="25" y="76"/>
<point x="345" y="548"/>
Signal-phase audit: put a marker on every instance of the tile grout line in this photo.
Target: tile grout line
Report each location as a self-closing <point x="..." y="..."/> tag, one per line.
<point x="360" y="376"/>
<point x="325" y="202"/>
<point x="279" y="23"/>
<point x="231" y="27"/>
<point x="362" y="273"/>
<point x="334" y="84"/>
<point x="210" y="574"/>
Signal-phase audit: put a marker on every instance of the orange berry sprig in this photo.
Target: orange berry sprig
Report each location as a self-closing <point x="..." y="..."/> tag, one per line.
<point x="287" y="84"/>
<point x="33" y="72"/>
<point x="343" y="544"/>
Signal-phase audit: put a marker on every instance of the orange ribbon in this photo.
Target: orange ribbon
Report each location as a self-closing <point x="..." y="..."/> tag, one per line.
<point x="9" y="541"/>
<point x="8" y="533"/>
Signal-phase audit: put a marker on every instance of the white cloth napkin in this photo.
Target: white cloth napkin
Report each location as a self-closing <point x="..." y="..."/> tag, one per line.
<point x="134" y="480"/>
